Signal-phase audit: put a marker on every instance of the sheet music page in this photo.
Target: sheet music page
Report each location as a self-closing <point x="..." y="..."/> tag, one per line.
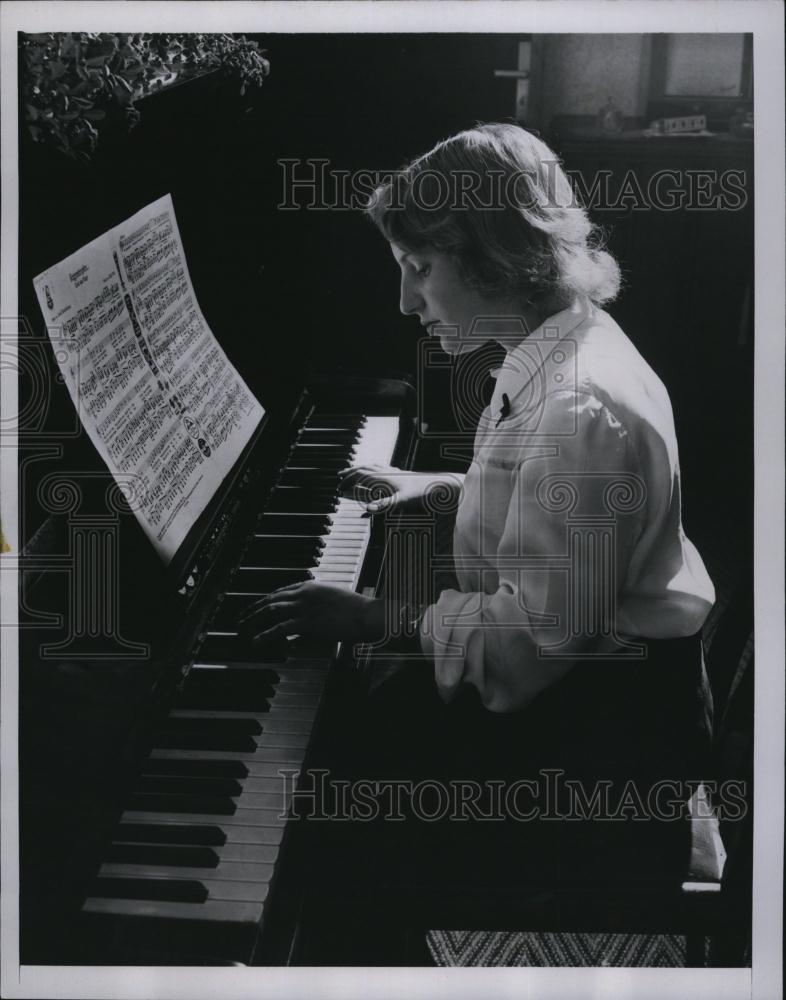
<point x="162" y="403"/>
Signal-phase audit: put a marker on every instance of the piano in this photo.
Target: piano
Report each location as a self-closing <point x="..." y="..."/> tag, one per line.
<point x="179" y="846"/>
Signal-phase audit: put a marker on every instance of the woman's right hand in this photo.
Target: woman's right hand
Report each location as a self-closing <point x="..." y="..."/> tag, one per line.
<point x="383" y="487"/>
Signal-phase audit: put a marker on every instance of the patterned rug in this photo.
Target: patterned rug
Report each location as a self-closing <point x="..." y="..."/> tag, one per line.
<point x="497" y="948"/>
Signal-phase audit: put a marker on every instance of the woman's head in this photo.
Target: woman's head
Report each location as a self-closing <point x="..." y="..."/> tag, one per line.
<point x="495" y="202"/>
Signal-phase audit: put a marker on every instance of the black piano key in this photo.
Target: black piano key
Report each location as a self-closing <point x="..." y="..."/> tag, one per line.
<point x="171" y="833"/>
<point x="162" y="854"/>
<point x="304" y="472"/>
<point x="189" y="785"/>
<point x="322" y="460"/>
<point x="228" y="613"/>
<point x="337" y="436"/>
<point x="277" y="541"/>
<point x="324" y="490"/>
<point x="339" y="442"/>
<point x="294" y="501"/>
<point x="321" y="463"/>
<point x="263" y="580"/>
<point x="171" y="890"/>
<point x="230" y="610"/>
<point x="177" y="740"/>
<point x="304" y="647"/>
<point x="293" y="524"/>
<point x="302" y="505"/>
<point x="196" y="768"/>
<point x="286" y="540"/>
<point x="260" y="579"/>
<point x="318" y="479"/>
<point x="210" y="805"/>
<point x="333" y="420"/>
<point x="216" y="727"/>
<point x="242" y="650"/>
<point x="318" y="451"/>
<point x="301" y="475"/>
<point x="233" y="648"/>
<point x="278" y="546"/>
<point x="283" y="552"/>
<point x="228" y="689"/>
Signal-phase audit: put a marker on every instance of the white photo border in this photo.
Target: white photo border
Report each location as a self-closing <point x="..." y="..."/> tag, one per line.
<point x="765" y="19"/>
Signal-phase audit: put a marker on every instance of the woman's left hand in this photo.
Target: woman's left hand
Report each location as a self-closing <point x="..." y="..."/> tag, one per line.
<point x="316" y="610"/>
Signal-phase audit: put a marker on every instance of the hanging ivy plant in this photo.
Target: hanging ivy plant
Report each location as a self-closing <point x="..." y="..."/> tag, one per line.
<point x="73" y="81"/>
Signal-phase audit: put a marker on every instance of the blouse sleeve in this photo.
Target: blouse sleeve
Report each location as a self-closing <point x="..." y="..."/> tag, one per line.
<point x="551" y="575"/>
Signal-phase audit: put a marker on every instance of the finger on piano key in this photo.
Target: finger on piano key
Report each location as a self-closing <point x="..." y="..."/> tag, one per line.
<point x="265" y="579"/>
<point x="283" y="596"/>
<point x="170" y="842"/>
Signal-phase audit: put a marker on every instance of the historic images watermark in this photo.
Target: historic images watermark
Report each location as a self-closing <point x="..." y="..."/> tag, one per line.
<point x="547" y="796"/>
<point x="527" y="463"/>
<point x="312" y="184"/>
<point x="78" y="539"/>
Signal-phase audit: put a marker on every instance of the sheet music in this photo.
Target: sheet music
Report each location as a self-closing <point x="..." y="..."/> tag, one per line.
<point x="162" y="403"/>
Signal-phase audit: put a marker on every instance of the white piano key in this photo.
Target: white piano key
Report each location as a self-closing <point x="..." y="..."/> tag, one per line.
<point x="230" y="871"/>
<point x="377" y="441"/>
<point x="213" y="910"/>
<point x="238" y="886"/>
<point x="256" y="766"/>
<point x="261" y="817"/>
<point x="332" y="576"/>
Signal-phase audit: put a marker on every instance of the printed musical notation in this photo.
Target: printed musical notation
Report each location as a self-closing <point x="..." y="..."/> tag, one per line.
<point x="154" y="389"/>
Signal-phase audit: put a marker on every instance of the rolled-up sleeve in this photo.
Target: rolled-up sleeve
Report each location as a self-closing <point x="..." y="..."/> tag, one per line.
<point x="543" y="584"/>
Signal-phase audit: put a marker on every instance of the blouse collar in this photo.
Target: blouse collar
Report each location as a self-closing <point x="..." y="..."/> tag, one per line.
<point x="534" y="366"/>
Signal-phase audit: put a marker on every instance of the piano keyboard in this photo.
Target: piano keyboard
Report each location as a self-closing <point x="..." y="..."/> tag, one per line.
<point x="201" y="837"/>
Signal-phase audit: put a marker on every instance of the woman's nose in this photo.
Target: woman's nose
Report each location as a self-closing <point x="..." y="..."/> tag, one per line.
<point x="410" y="301"/>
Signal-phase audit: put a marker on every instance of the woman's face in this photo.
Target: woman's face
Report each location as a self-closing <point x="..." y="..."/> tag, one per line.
<point x="433" y="290"/>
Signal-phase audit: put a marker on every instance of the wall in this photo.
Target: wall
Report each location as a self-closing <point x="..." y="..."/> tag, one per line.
<point x="579" y="73"/>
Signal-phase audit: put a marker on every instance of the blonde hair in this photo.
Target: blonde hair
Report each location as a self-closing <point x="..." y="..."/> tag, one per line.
<point x="496" y="199"/>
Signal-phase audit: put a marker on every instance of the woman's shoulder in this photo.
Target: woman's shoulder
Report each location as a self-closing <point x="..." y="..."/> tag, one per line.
<point x="578" y="371"/>
<point x="611" y="370"/>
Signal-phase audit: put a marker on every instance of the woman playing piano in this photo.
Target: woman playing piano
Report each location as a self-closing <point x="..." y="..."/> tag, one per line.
<point x="569" y="643"/>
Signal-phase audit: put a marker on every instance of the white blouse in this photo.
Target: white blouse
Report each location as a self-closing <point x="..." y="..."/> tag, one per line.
<point x="568" y="541"/>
